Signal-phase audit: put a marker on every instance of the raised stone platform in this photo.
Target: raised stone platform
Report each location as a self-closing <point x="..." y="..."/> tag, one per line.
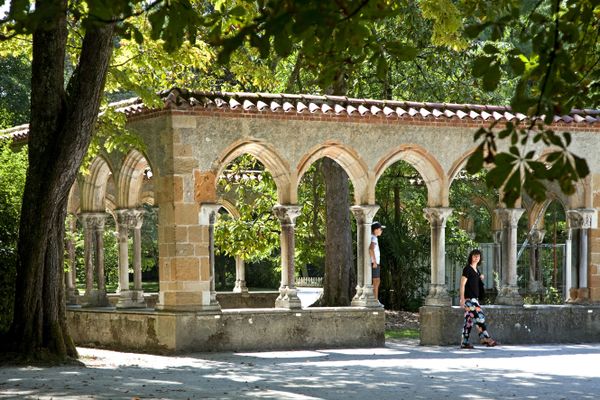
<point x="533" y="324"/>
<point x="258" y="299"/>
<point x="152" y="331"/>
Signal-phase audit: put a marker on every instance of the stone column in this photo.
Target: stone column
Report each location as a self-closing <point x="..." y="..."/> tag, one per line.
<point x="100" y="219"/>
<point x="438" y="291"/>
<point x="364" y="215"/>
<point x="536" y="284"/>
<point x="568" y="280"/>
<point x="88" y="252"/>
<point x="240" y="276"/>
<point x="508" y="293"/>
<point x="130" y="219"/>
<point x="582" y="220"/>
<point x="94" y="257"/>
<point x="288" y="295"/>
<point x="497" y="254"/>
<point x="137" y="220"/>
<point x="70" y="275"/>
<point x="208" y="216"/>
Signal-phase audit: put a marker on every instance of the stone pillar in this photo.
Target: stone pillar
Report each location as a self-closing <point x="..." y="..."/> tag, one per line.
<point x="288" y="295"/>
<point x="71" y="274"/>
<point x="130" y="219"/>
<point x="582" y="220"/>
<point x="438" y="291"/>
<point x="240" y="276"/>
<point x="497" y="254"/>
<point x="364" y="215"/>
<point x="568" y="280"/>
<point x="508" y="293"/>
<point x="138" y="220"/>
<point x="536" y="284"/>
<point x="93" y="224"/>
<point x="208" y="216"/>
<point x="88" y="252"/>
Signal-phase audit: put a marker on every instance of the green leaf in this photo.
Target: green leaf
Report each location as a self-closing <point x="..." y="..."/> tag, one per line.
<point x="475" y="161"/>
<point x="491" y="78"/>
<point x="481" y="65"/>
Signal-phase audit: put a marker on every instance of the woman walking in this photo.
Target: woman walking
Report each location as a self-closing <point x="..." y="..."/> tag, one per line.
<point x="471" y="287"/>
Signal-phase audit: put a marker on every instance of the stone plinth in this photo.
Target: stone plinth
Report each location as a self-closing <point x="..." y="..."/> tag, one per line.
<point x="229" y="330"/>
<point x="515" y="324"/>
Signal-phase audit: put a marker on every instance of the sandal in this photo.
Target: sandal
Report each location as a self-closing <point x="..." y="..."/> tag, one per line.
<point x="466" y="346"/>
<point x="489" y="342"/>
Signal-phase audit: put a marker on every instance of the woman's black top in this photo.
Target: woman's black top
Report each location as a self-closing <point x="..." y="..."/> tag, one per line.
<point x="472" y="285"/>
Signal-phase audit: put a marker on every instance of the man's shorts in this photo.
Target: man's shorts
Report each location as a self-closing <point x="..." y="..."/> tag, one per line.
<point x="376" y="272"/>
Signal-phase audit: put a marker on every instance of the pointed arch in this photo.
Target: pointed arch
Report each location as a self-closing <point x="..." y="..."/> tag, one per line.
<point x="347" y="158"/>
<point x="426" y="165"/>
<point x="94" y="185"/>
<point x="264" y="153"/>
<point x="74" y="201"/>
<point x="131" y="180"/>
<point x="230" y="208"/>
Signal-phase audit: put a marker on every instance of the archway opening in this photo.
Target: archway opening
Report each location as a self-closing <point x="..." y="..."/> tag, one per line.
<point x="253" y="235"/>
<point x="401" y="192"/>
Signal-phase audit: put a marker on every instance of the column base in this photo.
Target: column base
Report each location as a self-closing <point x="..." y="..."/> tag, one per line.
<point x="366" y="299"/>
<point x="72" y="296"/>
<point x="240" y="287"/>
<point x="509" y="296"/>
<point x="131" y="299"/>
<point x="95" y="298"/>
<point x="438" y="296"/>
<point x="579" y="296"/>
<point x="288" y="298"/>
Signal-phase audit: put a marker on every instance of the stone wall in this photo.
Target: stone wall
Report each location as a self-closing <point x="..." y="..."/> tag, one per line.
<point x="515" y="325"/>
<point x="229" y="330"/>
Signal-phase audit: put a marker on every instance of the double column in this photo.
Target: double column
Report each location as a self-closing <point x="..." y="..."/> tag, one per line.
<point x="364" y="215"/>
<point x="288" y="294"/>
<point x="508" y="293"/>
<point x="438" y="290"/>
<point x="536" y="283"/>
<point x="72" y="293"/>
<point x="580" y="222"/>
<point x="93" y="231"/>
<point x="130" y="220"/>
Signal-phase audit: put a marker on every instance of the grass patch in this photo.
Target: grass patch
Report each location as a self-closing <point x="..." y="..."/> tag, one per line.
<point x="407" y="333"/>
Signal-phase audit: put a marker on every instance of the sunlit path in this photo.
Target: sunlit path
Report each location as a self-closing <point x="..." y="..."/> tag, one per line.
<point x="401" y="370"/>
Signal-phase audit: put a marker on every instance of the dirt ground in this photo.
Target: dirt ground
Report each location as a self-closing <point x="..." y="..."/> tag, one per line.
<point x="401" y="320"/>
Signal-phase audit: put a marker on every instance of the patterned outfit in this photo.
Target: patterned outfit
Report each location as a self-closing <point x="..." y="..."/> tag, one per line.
<point x="473" y="311"/>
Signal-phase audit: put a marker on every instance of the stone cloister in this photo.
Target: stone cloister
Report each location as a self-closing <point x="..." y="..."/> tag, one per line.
<point x="190" y="141"/>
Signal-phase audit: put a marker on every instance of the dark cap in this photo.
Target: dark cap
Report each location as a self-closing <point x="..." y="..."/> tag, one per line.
<point x="376" y="225"/>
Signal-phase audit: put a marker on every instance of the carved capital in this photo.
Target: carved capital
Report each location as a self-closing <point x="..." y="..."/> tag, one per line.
<point x="209" y="213"/>
<point x="437" y="216"/>
<point x="93" y="220"/>
<point x="582" y="218"/>
<point x="130" y="218"/>
<point x="286" y="214"/>
<point x="364" y="213"/>
<point x="509" y="216"/>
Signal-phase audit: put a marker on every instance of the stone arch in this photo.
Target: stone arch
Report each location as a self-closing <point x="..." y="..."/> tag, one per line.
<point x="74" y="200"/>
<point x="230" y="208"/>
<point x="347" y="158"/>
<point x="94" y="185"/>
<point x="426" y="165"/>
<point x="131" y="180"/>
<point x="274" y="163"/>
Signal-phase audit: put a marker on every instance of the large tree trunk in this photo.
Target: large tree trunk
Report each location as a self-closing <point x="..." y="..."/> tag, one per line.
<point x="339" y="260"/>
<point x="60" y="131"/>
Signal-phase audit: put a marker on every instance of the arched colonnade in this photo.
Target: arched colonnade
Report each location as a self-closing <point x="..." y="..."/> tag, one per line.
<point x="192" y="140"/>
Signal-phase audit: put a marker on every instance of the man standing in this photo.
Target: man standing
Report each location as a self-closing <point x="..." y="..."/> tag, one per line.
<point x="376" y="231"/>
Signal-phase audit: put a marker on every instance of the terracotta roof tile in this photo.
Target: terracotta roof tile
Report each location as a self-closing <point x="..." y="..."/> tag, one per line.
<point x="327" y="105"/>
